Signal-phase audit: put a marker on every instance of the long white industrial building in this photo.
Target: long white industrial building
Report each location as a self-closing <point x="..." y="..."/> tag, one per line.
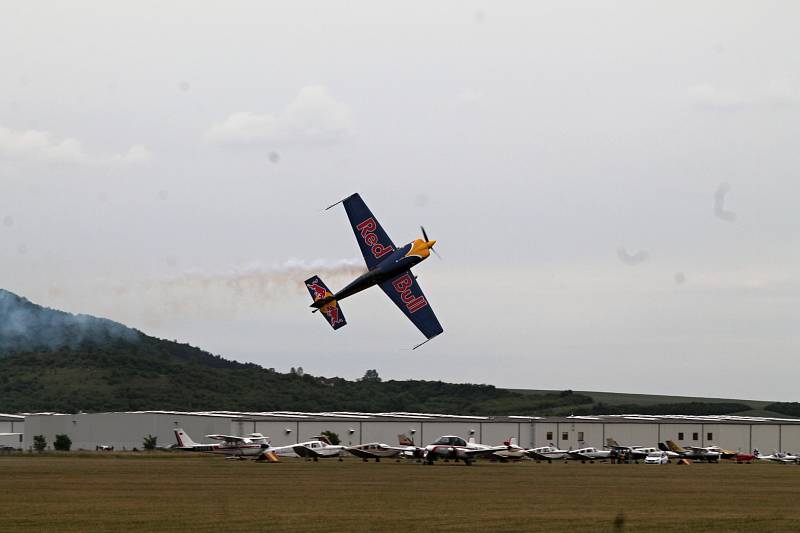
<point x="127" y="430"/>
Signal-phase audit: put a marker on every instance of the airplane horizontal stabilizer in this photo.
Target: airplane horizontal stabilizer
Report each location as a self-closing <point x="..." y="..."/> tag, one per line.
<point x="325" y="302"/>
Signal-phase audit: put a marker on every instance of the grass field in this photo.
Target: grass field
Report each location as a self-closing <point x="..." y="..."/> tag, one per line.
<point x="97" y="492"/>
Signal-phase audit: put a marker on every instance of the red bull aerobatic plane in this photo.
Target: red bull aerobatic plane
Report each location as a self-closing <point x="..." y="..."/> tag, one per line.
<point x="388" y="267"/>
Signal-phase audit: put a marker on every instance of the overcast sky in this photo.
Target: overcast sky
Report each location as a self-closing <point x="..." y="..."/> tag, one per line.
<point x="613" y="185"/>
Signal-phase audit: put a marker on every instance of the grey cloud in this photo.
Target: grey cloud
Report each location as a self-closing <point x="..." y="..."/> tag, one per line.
<point x="313" y="116"/>
<point x="43" y="145"/>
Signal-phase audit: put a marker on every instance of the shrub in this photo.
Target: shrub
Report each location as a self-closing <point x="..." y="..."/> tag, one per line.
<point x="150" y="442"/>
<point x="62" y="443"/>
<point x="39" y="443"/>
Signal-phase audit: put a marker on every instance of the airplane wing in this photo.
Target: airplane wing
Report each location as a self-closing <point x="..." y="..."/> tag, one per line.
<point x="538" y="456"/>
<point x="406" y="293"/>
<point x="479" y="452"/>
<point x="375" y="244"/>
<point x="226" y="438"/>
<point x="366" y="454"/>
<point x="580" y="457"/>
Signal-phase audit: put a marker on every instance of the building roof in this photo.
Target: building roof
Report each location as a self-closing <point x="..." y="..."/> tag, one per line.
<point x="352" y="416"/>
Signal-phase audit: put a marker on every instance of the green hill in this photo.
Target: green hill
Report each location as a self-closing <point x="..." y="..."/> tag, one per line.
<point x="55" y="361"/>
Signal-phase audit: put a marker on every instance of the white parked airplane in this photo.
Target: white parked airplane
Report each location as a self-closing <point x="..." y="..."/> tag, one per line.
<point x="777" y="457"/>
<point x="231" y="446"/>
<point x="546" y="453"/>
<point x="590" y="454"/>
<point x="320" y="448"/>
<point x="377" y="451"/>
<point x="454" y="447"/>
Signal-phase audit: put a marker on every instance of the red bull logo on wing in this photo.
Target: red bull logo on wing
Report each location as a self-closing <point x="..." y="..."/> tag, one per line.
<point x="331" y="311"/>
<point x="403" y="286"/>
<point x="366" y="229"/>
<point x="319" y="292"/>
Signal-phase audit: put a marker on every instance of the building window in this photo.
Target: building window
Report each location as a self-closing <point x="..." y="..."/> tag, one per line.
<point x="680" y="435"/>
<point x="710" y="436"/>
<point x="695" y="436"/>
<point x="580" y="435"/>
<point x="564" y="435"/>
<point x="549" y="435"/>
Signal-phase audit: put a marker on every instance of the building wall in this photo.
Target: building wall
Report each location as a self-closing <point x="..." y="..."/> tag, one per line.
<point x="731" y="437"/>
<point x="495" y="433"/>
<point x="543" y="434"/>
<point x="15" y="441"/>
<point x="790" y="438"/>
<point x="124" y="431"/>
<point x="387" y="432"/>
<point x="766" y="438"/>
<point x="646" y="435"/>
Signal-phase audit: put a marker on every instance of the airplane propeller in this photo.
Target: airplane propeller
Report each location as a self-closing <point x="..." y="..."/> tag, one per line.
<point x="425" y="236"/>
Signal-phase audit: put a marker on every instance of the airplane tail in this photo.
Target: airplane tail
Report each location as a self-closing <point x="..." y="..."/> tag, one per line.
<point x="663" y="447"/>
<point x="674" y="447"/>
<point x="325" y="302"/>
<point x="404" y="440"/>
<point x="258" y="438"/>
<point x="611" y="443"/>
<point x="184" y="440"/>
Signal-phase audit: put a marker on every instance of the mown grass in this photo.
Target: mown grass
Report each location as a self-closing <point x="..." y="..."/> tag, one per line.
<point x="104" y="492"/>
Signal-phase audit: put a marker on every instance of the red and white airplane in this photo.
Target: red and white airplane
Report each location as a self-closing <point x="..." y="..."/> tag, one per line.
<point x="232" y="446"/>
<point x="454" y="447"/>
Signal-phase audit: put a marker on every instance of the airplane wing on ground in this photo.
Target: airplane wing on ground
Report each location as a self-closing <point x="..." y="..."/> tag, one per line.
<point x="366" y="454"/>
<point x="580" y="457"/>
<point x="406" y="293"/>
<point x="480" y="452"/>
<point x="375" y="244"/>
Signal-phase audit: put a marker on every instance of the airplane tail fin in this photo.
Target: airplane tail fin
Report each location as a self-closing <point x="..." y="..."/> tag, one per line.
<point x="663" y="447"/>
<point x="184" y="440"/>
<point x="674" y="447"/>
<point x="325" y="302"/>
<point x="404" y="440"/>
<point x="611" y="443"/>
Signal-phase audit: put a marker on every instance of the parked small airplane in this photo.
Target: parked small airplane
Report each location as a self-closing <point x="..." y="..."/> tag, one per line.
<point x="777" y="457"/>
<point x="513" y="452"/>
<point x="231" y="446"/>
<point x="454" y="447"/>
<point x="588" y="454"/>
<point x="546" y="453"/>
<point x="320" y="448"/>
<point x="710" y="454"/>
<point x="388" y="267"/>
<point x="374" y="450"/>
<point x="635" y="453"/>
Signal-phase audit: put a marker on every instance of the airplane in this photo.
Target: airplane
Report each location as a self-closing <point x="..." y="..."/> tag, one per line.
<point x="546" y="453"/>
<point x="513" y="452"/>
<point x="454" y="447"/>
<point x="375" y="450"/>
<point x="590" y="454"/>
<point x="635" y="453"/>
<point x="388" y="267"/>
<point x="320" y="448"/>
<point x="777" y="457"/>
<point x="232" y="446"/>
<point x="709" y="454"/>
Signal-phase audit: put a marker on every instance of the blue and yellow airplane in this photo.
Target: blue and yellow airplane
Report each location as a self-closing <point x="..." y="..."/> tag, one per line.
<point x="388" y="267"/>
